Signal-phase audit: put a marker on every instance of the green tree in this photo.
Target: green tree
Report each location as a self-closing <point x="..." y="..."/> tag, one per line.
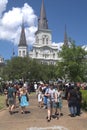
<point x="27" y="69"/>
<point x="73" y="63"/>
<point x="16" y="68"/>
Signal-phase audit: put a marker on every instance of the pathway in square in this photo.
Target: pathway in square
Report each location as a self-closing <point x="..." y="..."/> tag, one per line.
<point x="36" y="119"/>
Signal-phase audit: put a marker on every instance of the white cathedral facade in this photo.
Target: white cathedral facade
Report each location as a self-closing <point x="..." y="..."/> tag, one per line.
<point x="43" y="49"/>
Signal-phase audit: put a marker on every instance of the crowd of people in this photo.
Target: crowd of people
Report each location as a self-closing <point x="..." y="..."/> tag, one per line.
<point x="49" y="97"/>
<point x="14" y="91"/>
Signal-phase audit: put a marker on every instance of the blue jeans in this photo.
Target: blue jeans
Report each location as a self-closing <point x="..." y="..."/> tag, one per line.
<point x="73" y="110"/>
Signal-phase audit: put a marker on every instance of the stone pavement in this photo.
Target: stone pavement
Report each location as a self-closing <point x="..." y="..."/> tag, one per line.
<point x="35" y="119"/>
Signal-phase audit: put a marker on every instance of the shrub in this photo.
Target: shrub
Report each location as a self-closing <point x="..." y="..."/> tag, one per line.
<point x="84" y="99"/>
<point x="2" y="101"/>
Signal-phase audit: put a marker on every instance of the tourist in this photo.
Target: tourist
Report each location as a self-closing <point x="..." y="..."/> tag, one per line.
<point x="11" y="97"/>
<point x="72" y="101"/>
<point x="40" y="97"/>
<point x="24" y="99"/>
<point x="50" y="100"/>
<point x="58" y="102"/>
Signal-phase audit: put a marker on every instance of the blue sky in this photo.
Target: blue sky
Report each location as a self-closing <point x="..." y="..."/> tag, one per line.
<point x="59" y="12"/>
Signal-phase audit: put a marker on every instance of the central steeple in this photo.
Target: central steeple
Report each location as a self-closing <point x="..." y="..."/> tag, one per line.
<point x="42" y="21"/>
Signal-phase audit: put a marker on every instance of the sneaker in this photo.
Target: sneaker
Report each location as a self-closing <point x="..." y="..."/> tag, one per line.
<point x="56" y="113"/>
<point x="10" y="112"/>
<point x="57" y="117"/>
<point x="61" y="114"/>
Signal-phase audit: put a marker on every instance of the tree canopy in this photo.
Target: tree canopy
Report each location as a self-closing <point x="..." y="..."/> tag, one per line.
<point x="73" y="63"/>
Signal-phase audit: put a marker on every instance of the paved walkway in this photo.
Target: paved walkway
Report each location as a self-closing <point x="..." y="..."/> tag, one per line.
<point x="35" y="119"/>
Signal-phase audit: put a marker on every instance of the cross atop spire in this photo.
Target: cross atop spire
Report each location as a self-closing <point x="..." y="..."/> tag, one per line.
<point x="42" y="21"/>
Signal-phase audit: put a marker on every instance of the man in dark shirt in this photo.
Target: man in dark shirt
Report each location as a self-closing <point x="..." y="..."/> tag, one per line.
<point x="11" y="96"/>
<point x="72" y="101"/>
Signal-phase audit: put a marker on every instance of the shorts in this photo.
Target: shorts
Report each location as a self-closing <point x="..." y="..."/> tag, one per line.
<point x="56" y="104"/>
<point x="11" y="101"/>
<point x="50" y="104"/>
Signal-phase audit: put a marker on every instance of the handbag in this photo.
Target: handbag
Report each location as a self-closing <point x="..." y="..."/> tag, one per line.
<point x="27" y="97"/>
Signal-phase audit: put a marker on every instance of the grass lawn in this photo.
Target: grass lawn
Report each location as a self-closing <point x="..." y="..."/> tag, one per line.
<point x="84" y="99"/>
<point x="2" y="101"/>
<point x="84" y="95"/>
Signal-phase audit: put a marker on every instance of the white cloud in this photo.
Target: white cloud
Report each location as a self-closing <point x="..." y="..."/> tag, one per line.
<point x="3" y="4"/>
<point x="84" y="47"/>
<point x="11" y="21"/>
<point x="59" y="45"/>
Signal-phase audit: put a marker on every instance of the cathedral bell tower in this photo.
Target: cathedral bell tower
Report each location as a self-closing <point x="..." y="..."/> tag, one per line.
<point x="43" y="34"/>
<point x="43" y="50"/>
<point x="22" y="47"/>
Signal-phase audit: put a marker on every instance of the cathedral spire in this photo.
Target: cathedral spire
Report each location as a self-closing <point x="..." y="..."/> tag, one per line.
<point x="22" y="47"/>
<point x="22" y="41"/>
<point x="65" y="38"/>
<point x="42" y="21"/>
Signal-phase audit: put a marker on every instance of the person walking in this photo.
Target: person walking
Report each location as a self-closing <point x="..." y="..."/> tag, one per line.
<point x="24" y="99"/>
<point x="50" y="100"/>
<point x="58" y="102"/>
<point x="40" y="98"/>
<point x="45" y="97"/>
<point x="72" y="101"/>
<point x="11" y="98"/>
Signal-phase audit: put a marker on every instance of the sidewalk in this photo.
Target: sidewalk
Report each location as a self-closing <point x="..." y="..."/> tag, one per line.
<point x="36" y="118"/>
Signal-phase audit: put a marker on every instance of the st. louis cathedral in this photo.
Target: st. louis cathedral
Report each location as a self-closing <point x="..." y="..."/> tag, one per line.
<point x="43" y="49"/>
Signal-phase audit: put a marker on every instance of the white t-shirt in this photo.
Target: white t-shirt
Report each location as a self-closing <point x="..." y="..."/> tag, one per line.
<point x="40" y="97"/>
<point x="51" y="93"/>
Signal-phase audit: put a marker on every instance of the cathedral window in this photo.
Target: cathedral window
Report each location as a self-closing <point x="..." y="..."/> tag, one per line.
<point x="51" y="63"/>
<point x="45" y="56"/>
<point x="37" y="39"/>
<point x="36" y="54"/>
<point x="43" y="40"/>
<point x="54" y="55"/>
<point x="47" y="40"/>
<point x="23" y="53"/>
<point x="19" y="53"/>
